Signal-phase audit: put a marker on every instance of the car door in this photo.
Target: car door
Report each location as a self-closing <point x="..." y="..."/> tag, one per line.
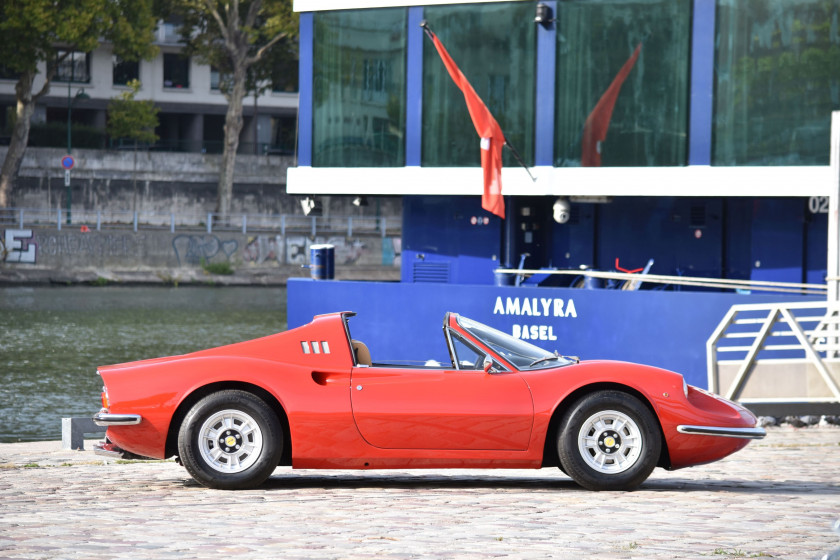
<point x="442" y="408"/>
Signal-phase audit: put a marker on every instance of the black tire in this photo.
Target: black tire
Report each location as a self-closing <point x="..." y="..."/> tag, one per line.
<point x="609" y="440"/>
<point x="230" y="440"/>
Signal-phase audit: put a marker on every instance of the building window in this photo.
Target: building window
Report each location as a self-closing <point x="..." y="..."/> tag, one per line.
<point x="216" y="78"/>
<point x="359" y="88"/>
<point x="73" y="67"/>
<point x="777" y="69"/>
<point x="649" y="122"/>
<point x="495" y="48"/>
<point x="7" y="73"/>
<point x="125" y="71"/>
<point x="284" y="71"/>
<point x="176" y="71"/>
<point x="169" y="32"/>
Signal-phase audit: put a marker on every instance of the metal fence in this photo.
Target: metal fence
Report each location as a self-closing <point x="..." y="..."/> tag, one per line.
<point x="98" y="220"/>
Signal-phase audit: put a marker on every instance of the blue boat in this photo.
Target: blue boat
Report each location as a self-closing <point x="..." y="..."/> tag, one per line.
<point x="712" y="167"/>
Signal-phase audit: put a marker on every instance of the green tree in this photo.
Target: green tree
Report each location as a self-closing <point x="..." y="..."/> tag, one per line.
<point x="132" y="119"/>
<point x="31" y="30"/>
<point x="234" y="36"/>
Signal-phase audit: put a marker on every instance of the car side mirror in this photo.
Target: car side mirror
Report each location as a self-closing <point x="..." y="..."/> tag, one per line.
<point x="488" y="365"/>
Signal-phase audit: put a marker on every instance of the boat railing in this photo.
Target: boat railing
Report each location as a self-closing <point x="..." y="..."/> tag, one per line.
<point x="634" y="280"/>
<point x="777" y="354"/>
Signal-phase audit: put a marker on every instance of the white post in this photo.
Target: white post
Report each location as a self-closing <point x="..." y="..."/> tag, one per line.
<point x="833" y="260"/>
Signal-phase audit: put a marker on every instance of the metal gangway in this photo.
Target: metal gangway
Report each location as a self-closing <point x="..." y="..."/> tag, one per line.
<point x="778" y="356"/>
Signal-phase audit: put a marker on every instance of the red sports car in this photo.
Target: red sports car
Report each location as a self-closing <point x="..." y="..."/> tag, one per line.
<point x="313" y="398"/>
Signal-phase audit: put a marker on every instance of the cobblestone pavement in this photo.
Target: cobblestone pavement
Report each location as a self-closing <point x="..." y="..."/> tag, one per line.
<point x="779" y="497"/>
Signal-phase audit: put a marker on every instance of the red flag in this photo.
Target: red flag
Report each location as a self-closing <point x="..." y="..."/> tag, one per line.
<point x="598" y="121"/>
<point x="492" y="138"/>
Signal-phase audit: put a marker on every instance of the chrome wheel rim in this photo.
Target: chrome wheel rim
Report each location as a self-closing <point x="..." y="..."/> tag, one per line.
<point x="610" y="442"/>
<point x="230" y="441"/>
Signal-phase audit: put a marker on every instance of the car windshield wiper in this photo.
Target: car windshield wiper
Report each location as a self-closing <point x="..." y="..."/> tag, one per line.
<point x="556" y="356"/>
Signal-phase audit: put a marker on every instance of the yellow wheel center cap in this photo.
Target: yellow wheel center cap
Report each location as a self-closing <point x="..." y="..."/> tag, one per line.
<point x="609" y="441"/>
<point x="230" y="441"/>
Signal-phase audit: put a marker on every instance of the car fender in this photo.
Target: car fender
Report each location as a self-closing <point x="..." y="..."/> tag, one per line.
<point x="156" y="390"/>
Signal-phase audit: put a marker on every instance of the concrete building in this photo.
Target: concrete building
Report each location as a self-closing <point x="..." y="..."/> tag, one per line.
<point x="192" y="106"/>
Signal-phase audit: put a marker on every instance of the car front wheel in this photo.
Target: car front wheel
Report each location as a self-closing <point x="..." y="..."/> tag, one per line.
<point x="230" y="440"/>
<point x="609" y="440"/>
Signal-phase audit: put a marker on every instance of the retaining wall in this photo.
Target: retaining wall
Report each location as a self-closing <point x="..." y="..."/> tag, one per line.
<point x="71" y="255"/>
<point x="165" y="182"/>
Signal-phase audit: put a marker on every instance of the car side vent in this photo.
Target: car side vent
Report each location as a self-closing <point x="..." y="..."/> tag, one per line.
<point x="431" y="272"/>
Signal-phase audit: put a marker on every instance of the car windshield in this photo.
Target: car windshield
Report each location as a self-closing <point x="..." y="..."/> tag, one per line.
<point x="523" y="355"/>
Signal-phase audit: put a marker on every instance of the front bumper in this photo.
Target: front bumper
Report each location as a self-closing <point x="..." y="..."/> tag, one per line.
<point x="744" y="433"/>
<point x="108" y="449"/>
<point x="107" y="419"/>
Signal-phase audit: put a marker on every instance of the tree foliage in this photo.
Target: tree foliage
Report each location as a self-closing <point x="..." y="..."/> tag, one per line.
<point x="131" y="118"/>
<point x="236" y="37"/>
<point x="32" y="30"/>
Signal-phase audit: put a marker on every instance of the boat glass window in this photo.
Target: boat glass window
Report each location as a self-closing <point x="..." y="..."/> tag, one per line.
<point x="359" y="96"/>
<point x="648" y="123"/>
<point x="494" y="45"/>
<point x="776" y="68"/>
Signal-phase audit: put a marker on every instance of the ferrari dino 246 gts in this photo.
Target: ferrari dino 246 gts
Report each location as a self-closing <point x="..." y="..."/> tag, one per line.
<point x="313" y="398"/>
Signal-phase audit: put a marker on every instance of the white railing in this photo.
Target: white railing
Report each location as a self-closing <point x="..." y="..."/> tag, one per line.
<point x="632" y="281"/>
<point x="789" y="350"/>
<point x="98" y="220"/>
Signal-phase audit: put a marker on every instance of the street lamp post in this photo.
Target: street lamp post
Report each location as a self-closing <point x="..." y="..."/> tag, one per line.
<point x="79" y="95"/>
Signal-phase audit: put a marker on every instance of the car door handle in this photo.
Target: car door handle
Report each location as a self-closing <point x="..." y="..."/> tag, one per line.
<point x="330" y="377"/>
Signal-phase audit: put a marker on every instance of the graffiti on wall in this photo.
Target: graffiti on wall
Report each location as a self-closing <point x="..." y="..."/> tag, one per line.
<point x="31" y="245"/>
<point x="192" y="249"/>
<point x="19" y="246"/>
<point x="90" y="244"/>
<point x="347" y="251"/>
<point x="263" y="249"/>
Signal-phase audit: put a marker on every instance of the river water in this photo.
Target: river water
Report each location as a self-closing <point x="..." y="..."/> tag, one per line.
<point x="53" y="338"/>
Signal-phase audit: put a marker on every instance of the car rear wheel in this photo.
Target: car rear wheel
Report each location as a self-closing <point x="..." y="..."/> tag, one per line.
<point x="609" y="440"/>
<point x="230" y="440"/>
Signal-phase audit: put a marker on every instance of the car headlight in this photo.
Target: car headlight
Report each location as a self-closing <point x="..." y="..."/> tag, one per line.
<point x="106" y="402"/>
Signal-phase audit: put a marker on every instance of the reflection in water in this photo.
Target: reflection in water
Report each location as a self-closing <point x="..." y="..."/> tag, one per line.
<point x="52" y="339"/>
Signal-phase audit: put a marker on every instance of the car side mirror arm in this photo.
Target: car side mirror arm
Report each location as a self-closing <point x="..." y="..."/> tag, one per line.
<point x="488" y="365"/>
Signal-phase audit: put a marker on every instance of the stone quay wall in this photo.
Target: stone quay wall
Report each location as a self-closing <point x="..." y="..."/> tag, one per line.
<point x="38" y="255"/>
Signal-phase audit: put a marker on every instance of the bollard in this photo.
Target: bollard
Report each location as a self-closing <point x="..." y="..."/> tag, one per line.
<point x="73" y="432"/>
<point x="322" y="261"/>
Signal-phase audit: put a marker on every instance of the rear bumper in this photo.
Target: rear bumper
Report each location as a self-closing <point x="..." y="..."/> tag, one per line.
<point x="108" y="419"/>
<point x="744" y="433"/>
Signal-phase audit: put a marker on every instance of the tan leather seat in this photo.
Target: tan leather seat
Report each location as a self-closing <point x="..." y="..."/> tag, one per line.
<point x="362" y="353"/>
